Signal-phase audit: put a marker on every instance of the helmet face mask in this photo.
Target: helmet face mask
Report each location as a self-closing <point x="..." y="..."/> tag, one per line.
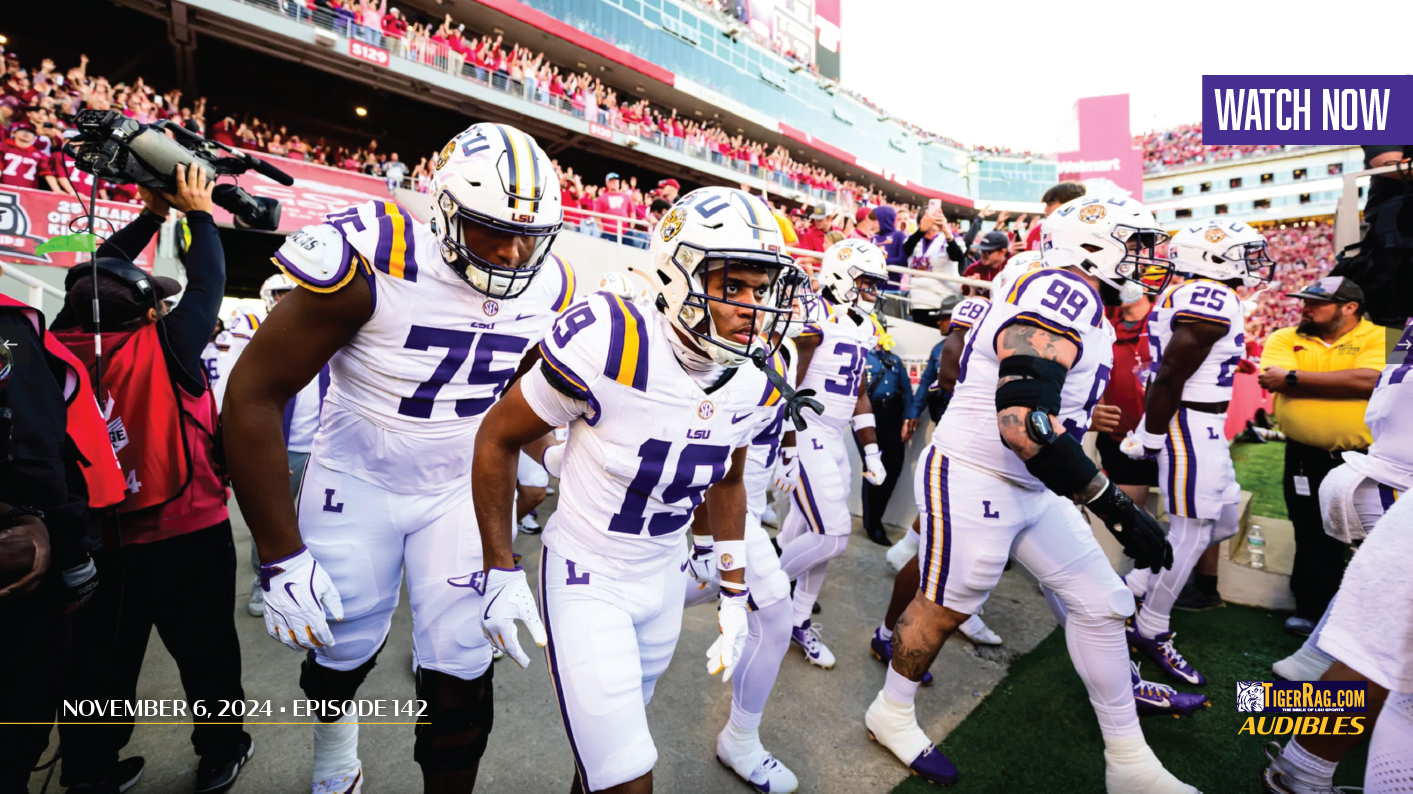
<point x="855" y="273"/>
<point x="1114" y="240"/>
<point x="493" y="181"/>
<point x="709" y="298"/>
<point x="867" y="292"/>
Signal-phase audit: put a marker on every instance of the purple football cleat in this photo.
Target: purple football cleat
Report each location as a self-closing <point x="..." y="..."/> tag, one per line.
<point x="882" y="650"/>
<point x="934" y="767"/>
<point x="1155" y="700"/>
<point x="1160" y="649"/>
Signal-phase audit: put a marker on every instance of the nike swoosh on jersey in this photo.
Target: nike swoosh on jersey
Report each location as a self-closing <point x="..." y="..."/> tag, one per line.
<point x="737" y="419"/>
<point x="520" y="317"/>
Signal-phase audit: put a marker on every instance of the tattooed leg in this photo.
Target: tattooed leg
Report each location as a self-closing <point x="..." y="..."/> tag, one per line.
<point x="919" y="635"/>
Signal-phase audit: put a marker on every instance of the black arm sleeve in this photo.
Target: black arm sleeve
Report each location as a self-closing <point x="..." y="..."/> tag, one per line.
<point x="911" y="243"/>
<point x="188" y="327"/>
<point x="972" y="231"/>
<point x="35" y="475"/>
<point x="955" y="252"/>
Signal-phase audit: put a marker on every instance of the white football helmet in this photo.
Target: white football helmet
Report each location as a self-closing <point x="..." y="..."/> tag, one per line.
<point x="1222" y="250"/>
<point x="715" y="228"/>
<point x="1112" y="239"/>
<point x="1016" y="266"/>
<point x="497" y="178"/>
<point x="275" y="288"/>
<point x="847" y="261"/>
<point x="616" y="283"/>
<point x="806" y="310"/>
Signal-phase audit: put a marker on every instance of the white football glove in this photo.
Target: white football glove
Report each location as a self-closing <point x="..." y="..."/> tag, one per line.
<point x="553" y="459"/>
<point x="702" y="562"/>
<point x="787" y="470"/>
<point x="507" y="598"/>
<point x="1140" y="444"/>
<point x="731" y="619"/>
<point x="298" y="591"/>
<point x="874" y="471"/>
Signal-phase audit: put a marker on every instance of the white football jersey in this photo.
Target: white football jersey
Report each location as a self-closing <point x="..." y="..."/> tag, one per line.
<point x="1201" y="300"/>
<point x="765" y="446"/>
<point x="1060" y="302"/>
<point x="645" y="441"/>
<point x="1390" y="459"/>
<point x="408" y="391"/>
<point x="230" y="343"/>
<point x="838" y="364"/>
<point x="970" y="312"/>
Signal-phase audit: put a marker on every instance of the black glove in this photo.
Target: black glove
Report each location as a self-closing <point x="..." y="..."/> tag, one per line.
<point x="795" y="401"/>
<point x="80" y="583"/>
<point x="1139" y="533"/>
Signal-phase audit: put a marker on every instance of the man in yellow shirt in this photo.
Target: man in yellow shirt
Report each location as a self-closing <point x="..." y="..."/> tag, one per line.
<point x="1322" y="372"/>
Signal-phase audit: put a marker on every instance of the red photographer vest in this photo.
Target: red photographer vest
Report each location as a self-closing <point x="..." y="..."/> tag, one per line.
<point x="85" y="426"/>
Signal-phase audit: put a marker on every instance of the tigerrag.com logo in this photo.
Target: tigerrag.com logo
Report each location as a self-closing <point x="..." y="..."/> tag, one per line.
<point x="1301" y="707"/>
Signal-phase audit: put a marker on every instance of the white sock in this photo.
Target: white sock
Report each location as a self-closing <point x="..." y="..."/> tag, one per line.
<point x="742" y="722"/>
<point x="899" y="689"/>
<point x="335" y="748"/>
<point x="1307" y="767"/>
<point x="884" y="633"/>
<point x="741" y="734"/>
<point x="1137" y="581"/>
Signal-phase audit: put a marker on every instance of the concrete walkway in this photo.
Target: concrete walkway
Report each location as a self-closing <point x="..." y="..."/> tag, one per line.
<point x="814" y="723"/>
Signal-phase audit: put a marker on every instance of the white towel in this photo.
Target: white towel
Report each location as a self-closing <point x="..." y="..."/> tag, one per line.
<point x="1337" y="508"/>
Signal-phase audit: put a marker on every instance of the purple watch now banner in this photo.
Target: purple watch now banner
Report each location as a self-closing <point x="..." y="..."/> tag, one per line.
<point x="1307" y="109"/>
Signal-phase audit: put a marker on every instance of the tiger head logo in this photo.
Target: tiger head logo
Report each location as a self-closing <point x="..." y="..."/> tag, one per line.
<point x="725" y="562"/>
<point x="845" y="253"/>
<point x="445" y="154"/>
<point x="1093" y="213"/>
<point x="1250" y="696"/>
<point x="672" y="224"/>
<point x="1215" y="235"/>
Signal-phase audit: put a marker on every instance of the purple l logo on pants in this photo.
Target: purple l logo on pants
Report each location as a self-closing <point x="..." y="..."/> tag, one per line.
<point x="986" y="511"/>
<point x="329" y="506"/>
<point x="816" y="443"/>
<point x="1212" y="434"/>
<point x="575" y="577"/>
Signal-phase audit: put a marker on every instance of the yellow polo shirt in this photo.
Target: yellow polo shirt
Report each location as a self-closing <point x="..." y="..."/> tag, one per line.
<point x="1335" y="425"/>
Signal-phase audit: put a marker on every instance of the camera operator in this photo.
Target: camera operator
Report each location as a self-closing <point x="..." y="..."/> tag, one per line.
<point x="45" y="570"/>
<point x="1383" y="268"/>
<point x="172" y="549"/>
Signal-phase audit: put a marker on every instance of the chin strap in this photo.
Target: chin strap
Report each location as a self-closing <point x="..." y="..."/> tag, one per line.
<point x="795" y="401"/>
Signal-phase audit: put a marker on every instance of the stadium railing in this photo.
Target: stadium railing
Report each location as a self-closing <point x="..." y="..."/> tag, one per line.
<point x="37" y="290"/>
<point x="443" y="58"/>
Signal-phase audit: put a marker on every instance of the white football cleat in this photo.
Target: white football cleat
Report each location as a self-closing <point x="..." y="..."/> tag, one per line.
<point x="902" y="551"/>
<point x="770" y="518"/>
<point x="747" y="758"/>
<point x="343" y="784"/>
<point x="816" y="653"/>
<point x="1131" y="768"/>
<point x="256" y="607"/>
<point x="895" y="727"/>
<point x="979" y="633"/>
<point x="1306" y="664"/>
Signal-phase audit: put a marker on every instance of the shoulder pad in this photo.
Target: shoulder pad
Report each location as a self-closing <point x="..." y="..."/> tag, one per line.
<point x="567" y="283"/>
<point x="1058" y="295"/>
<point x="317" y="258"/>
<point x="970" y="312"/>
<point x="1203" y="301"/>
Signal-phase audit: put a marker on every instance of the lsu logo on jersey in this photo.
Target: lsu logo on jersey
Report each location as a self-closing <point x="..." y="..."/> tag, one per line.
<point x="1093" y="213"/>
<point x="672" y="224"/>
<point x="1215" y="235"/>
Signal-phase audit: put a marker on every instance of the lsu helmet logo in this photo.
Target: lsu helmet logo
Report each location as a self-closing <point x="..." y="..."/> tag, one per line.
<point x="1093" y="213"/>
<point x="445" y="154"/>
<point x="1215" y="235"/>
<point x="672" y="224"/>
<point x="845" y="253"/>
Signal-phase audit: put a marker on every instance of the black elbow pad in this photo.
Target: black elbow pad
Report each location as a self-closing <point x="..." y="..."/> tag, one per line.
<point x="1062" y="466"/>
<point x="1036" y="383"/>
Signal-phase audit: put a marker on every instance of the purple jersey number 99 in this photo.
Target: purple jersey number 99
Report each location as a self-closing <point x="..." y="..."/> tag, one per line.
<point x="1061" y="298"/>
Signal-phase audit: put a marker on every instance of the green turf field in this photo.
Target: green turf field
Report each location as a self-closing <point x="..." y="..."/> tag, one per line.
<point x="1036" y="731"/>
<point x="1258" y="469"/>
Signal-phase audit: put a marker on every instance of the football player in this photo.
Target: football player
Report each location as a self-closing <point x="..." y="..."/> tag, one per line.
<point x="1368" y="627"/>
<point x="661" y="413"/>
<point x="1196" y="339"/>
<point x="301" y="412"/>
<point x="1033" y="369"/>
<point x="738" y="746"/>
<point x="816" y="460"/>
<point x="422" y="327"/>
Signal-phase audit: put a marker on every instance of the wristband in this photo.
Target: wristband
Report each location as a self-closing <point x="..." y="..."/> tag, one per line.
<point x="702" y="543"/>
<point x="730" y="555"/>
<point x="860" y="421"/>
<point x="870" y="449"/>
<point x="1149" y="440"/>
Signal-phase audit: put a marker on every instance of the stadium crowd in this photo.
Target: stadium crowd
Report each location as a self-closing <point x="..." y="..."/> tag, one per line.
<point x="1182" y="145"/>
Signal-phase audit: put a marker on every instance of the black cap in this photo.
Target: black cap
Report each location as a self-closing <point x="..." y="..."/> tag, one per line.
<point x="993" y="241"/>
<point x="949" y="304"/>
<point x="120" y="300"/>
<point x="1331" y="289"/>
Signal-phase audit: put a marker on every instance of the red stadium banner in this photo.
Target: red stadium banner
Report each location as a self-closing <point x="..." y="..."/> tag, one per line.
<point x="317" y="191"/>
<point x="367" y="52"/>
<point x="30" y="217"/>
